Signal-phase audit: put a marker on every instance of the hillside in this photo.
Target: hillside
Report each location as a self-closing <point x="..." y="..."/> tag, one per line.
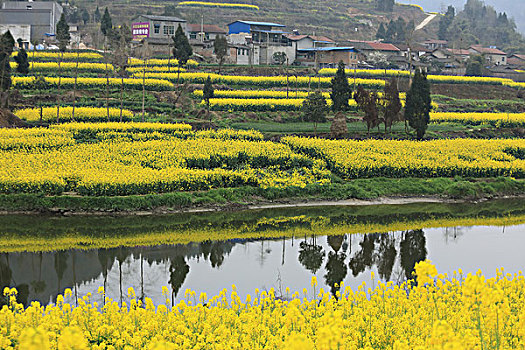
<point x="355" y="19"/>
<point x="511" y="7"/>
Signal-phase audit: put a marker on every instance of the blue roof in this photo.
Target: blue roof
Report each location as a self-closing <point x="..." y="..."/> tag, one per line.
<point x="336" y="48"/>
<point x="272" y="31"/>
<point x="264" y="24"/>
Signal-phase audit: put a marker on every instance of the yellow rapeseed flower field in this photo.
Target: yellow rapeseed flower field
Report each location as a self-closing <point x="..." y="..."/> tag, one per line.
<point x="86" y="114"/>
<point x="433" y="311"/>
<point x="437" y="158"/>
<point x="495" y="119"/>
<point x="83" y="82"/>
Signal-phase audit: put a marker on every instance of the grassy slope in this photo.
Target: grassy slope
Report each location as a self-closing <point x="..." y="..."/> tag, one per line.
<point x="238" y="197"/>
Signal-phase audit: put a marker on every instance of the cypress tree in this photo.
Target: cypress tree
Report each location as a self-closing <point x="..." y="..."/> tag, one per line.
<point x="207" y="93"/>
<point x="418" y="104"/>
<point x="7" y="43"/>
<point x="381" y="32"/>
<point x="392" y="103"/>
<point x="22" y="62"/>
<point x="105" y="23"/>
<point x="62" y="33"/>
<point x="341" y="90"/>
<point x="96" y="15"/>
<point x="182" y="49"/>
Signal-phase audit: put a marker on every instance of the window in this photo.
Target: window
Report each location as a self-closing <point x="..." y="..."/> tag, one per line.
<point x="156" y="28"/>
<point x="193" y="36"/>
<point x="169" y="30"/>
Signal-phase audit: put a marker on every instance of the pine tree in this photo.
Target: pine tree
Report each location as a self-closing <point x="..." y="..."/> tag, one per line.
<point x="182" y="49"/>
<point x="381" y="32"/>
<point x="220" y="46"/>
<point x="207" y="93"/>
<point x="445" y="22"/>
<point x="7" y="43"/>
<point x="341" y="90"/>
<point x="315" y="109"/>
<point x="106" y="25"/>
<point x="418" y="104"/>
<point x="96" y="16"/>
<point x="85" y="16"/>
<point x="22" y="62"/>
<point x="62" y="33"/>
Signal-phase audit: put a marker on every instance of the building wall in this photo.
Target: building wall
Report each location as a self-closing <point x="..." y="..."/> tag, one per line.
<point x="333" y="58"/>
<point x="238" y="27"/>
<point x="165" y="28"/>
<point x="18" y="31"/>
<point x="266" y="55"/>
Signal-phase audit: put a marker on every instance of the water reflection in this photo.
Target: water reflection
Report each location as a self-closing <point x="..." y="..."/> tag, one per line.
<point x="336" y="244"/>
<point x="211" y="266"/>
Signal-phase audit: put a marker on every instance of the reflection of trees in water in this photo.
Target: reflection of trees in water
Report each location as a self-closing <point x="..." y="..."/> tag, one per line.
<point x="179" y="269"/>
<point x="60" y="267"/>
<point x="336" y="270"/>
<point x="386" y="256"/>
<point x="364" y="258"/>
<point x="412" y="250"/>
<point x="6" y="275"/>
<point x="311" y="255"/>
<point x="452" y="233"/>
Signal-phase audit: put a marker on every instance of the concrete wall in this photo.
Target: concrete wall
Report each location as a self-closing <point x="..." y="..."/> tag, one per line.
<point x="18" y="31"/>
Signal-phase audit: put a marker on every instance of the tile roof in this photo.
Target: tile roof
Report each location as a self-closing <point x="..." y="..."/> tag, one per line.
<point x="487" y="50"/>
<point x="382" y="46"/>
<point x="164" y="18"/>
<point x="313" y="37"/>
<point x="208" y="28"/>
<point x="462" y="52"/>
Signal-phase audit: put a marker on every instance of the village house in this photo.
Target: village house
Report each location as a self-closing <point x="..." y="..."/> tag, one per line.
<point x="434" y="44"/>
<point x="516" y="60"/>
<point x="494" y="56"/>
<point x="263" y="40"/>
<point x="154" y="33"/>
<point x="328" y="57"/>
<point x="30" y="20"/>
<point x="204" y="32"/>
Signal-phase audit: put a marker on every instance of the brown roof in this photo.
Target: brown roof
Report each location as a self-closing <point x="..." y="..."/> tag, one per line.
<point x="382" y="46"/>
<point x="208" y="28"/>
<point x="519" y="57"/>
<point x="487" y="50"/>
<point x="461" y="52"/>
<point x="313" y="37"/>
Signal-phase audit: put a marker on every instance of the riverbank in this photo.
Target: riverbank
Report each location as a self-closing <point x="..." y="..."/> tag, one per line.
<point x="356" y="192"/>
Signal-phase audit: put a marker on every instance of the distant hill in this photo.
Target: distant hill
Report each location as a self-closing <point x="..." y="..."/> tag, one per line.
<point x="338" y="19"/>
<point x="513" y="8"/>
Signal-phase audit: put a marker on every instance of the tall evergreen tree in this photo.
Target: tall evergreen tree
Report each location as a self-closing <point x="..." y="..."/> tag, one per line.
<point x="418" y="104"/>
<point x="7" y="44"/>
<point x="22" y="62"/>
<point x="381" y="32"/>
<point x="475" y="66"/>
<point x="207" y="93"/>
<point x="96" y="16"/>
<point x="341" y="90"/>
<point x="62" y="33"/>
<point x="85" y="16"/>
<point x="106" y="24"/>
<point x="182" y="49"/>
<point x="445" y="22"/>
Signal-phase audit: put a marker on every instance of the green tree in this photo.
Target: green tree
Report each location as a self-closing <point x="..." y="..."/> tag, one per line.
<point x="418" y="104"/>
<point x="207" y="93"/>
<point x="392" y="103"/>
<point x="62" y="33"/>
<point x="106" y="24"/>
<point x="22" y="62"/>
<point x="315" y="109"/>
<point x="63" y="37"/>
<point x="182" y="50"/>
<point x="445" y="22"/>
<point x="367" y="102"/>
<point x="96" y="15"/>
<point x="7" y="44"/>
<point x="381" y="32"/>
<point x="85" y="16"/>
<point x="341" y="90"/>
<point x="220" y="47"/>
<point x="279" y="58"/>
<point x="475" y="66"/>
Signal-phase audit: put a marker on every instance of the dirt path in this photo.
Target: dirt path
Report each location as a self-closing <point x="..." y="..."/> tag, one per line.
<point x="426" y="21"/>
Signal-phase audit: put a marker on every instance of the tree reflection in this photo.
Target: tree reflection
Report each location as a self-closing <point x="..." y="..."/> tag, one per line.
<point x="179" y="269"/>
<point x="60" y="267"/>
<point x="6" y="275"/>
<point x="413" y="250"/>
<point x="365" y="257"/>
<point x="336" y="270"/>
<point x="311" y="256"/>
<point x="386" y="256"/>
